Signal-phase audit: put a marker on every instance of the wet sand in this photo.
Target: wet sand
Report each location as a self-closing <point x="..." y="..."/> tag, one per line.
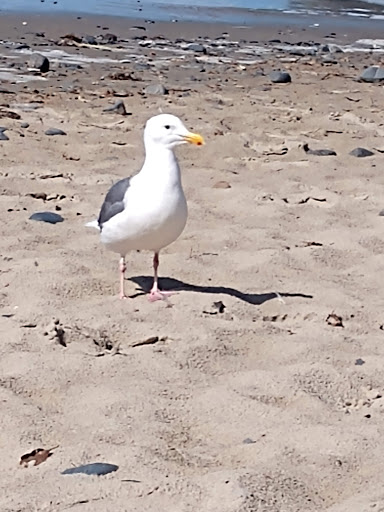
<point x="269" y="405"/>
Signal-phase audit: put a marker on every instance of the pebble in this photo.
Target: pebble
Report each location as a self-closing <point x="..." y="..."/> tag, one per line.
<point x="319" y="152"/>
<point x="54" y="131"/>
<point x="372" y="74"/>
<point x="108" y="38"/>
<point x="248" y="440"/>
<point x="24" y="125"/>
<point x="51" y="218"/>
<point x="38" y="61"/>
<point x="280" y="77"/>
<point x="156" y="89"/>
<point x="361" y="152"/>
<point x="330" y="48"/>
<point x="118" y="107"/>
<point x="87" y="39"/>
<point x="196" y="47"/>
<point x="222" y="184"/>
<point x="2" y="134"/>
<point x="96" y="468"/>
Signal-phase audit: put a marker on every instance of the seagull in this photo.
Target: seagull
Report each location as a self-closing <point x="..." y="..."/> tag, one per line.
<point x="148" y="211"/>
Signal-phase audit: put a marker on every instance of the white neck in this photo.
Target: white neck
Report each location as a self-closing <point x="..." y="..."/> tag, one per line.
<point x="160" y="163"/>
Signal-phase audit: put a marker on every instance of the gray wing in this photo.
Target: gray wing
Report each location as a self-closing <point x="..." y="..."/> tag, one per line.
<point x="114" y="201"/>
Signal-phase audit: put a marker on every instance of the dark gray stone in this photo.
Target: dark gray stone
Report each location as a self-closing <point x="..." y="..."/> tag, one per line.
<point x="319" y="152"/>
<point x="95" y="468"/>
<point x="2" y="134"/>
<point x="302" y="52"/>
<point x="156" y="89"/>
<point x="118" y="107"/>
<point x="330" y="48"/>
<point x="87" y="39"/>
<point x="141" y="66"/>
<point x="50" y="217"/>
<point x="54" y="131"/>
<point x="372" y="74"/>
<point x="196" y="47"/>
<point x="280" y="77"/>
<point x="38" y="61"/>
<point x="361" y="152"/>
<point x="108" y="38"/>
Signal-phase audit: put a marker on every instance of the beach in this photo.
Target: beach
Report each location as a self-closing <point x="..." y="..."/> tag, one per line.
<point x="258" y="386"/>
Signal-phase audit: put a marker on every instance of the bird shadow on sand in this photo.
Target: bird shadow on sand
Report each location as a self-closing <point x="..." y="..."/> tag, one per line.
<point x="167" y="283"/>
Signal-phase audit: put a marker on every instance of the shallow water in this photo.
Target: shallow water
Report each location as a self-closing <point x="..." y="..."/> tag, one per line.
<point x="234" y="11"/>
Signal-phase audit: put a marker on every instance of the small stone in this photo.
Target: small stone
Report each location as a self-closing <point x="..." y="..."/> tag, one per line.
<point x="89" y="39"/>
<point x="141" y="66"/>
<point x="319" y="152"/>
<point x="54" y="131"/>
<point x="222" y="184"/>
<point x="118" y="107"/>
<point x="248" y="440"/>
<point x="280" y="77"/>
<point x="51" y="218"/>
<point x="156" y="89"/>
<point x="109" y="38"/>
<point x="219" y="306"/>
<point x="96" y="468"/>
<point x="361" y="152"/>
<point x="330" y="48"/>
<point x="196" y="47"/>
<point x="2" y="134"/>
<point x="359" y="362"/>
<point x="334" y="320"/>
<point x="24" y="125"/>
<point x="372" y="74"/>
<point x="38" y="61"/>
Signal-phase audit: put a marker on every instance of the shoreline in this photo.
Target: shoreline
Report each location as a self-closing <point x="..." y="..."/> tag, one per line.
<point x="293" y="28"/>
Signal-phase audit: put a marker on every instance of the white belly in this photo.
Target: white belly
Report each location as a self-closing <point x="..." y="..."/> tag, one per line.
<point x="151" y="220"/>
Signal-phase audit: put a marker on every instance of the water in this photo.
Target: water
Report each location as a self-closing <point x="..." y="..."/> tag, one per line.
<point x="233" y="11"/>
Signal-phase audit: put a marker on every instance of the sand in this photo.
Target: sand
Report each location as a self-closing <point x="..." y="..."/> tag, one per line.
<point x="266" y="406"/>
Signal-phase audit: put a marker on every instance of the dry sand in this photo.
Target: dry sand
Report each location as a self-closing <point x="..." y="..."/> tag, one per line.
<point x="259" y="408"/>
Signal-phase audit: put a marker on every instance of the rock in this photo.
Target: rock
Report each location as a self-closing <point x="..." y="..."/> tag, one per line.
<point x="95" y="468"/>
<point x="361" y="152"/>
<point x="280" y="77"/>
<point x="89" y="39"/>
<point x="141" y="66"/>
<point x="108" y="38"/>
<point x="54" y="131"/>
<point x="2" y="134"/>
<point x="51" y="218"/>
<point x="156" y="89"/>
<point x="24" y="125"/>
<point x="196" y="47"/>
<point x="330" y="48"/>
<point x="372" y="74"/>
<point x="302" y="52"/>
<point x="222" y="184"/>
<point x="118" y="107"/>
<point x="319" y="152"/>
<point x="38" y="61"/>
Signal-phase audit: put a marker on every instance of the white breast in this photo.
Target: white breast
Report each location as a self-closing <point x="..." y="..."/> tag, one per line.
<point x="155" y="214"/>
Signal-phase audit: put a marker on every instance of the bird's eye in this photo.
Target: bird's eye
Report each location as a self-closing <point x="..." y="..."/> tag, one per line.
<point x="167" y="127"/>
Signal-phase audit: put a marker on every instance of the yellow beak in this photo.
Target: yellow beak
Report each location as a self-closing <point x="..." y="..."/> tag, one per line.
<point x="194" y="138"/>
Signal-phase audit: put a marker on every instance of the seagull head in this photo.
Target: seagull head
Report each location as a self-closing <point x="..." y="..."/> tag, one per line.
<point x="168" y="131"/>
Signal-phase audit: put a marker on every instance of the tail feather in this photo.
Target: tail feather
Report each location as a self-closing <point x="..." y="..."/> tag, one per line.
<point x="93" y="224"/>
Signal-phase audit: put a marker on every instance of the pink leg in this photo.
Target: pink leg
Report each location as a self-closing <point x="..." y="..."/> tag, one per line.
<point x="123" y="268"/>
<point x="155" y="293"/>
